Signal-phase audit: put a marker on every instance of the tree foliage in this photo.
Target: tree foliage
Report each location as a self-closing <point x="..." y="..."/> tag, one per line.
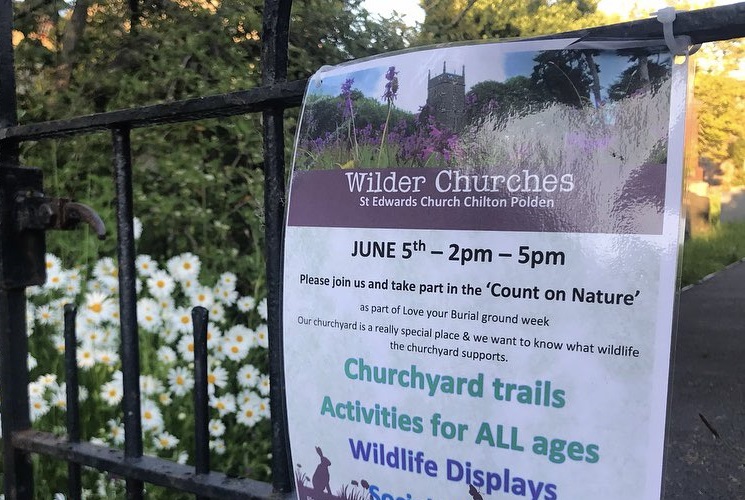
<point x="198" y="186"/>
<point x="720" y="102"/>
<point x="457" y="20"/>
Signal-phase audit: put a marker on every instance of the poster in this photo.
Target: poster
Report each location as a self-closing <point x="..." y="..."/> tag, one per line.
<point x="480" y="273"/>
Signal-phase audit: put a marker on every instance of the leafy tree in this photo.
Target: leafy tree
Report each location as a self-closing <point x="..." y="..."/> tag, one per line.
<point x="198" y="186"/>
<point x="720" y="102"/>
<point x="501" y="99"/>
<point x="447" y="21"/>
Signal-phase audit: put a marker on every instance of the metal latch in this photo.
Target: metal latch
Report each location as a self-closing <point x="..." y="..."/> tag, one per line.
<point x="35" y="211"/>
<point x="25" y="214"/>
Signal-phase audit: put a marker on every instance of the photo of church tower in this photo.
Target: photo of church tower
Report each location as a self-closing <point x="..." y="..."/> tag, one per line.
<point x="446" y="98"/>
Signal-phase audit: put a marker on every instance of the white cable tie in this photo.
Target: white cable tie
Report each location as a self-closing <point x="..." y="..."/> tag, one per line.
<point x="681" y="45"/>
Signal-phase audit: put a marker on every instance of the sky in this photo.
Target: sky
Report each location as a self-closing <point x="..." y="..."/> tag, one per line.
<point x="413" y="13"/>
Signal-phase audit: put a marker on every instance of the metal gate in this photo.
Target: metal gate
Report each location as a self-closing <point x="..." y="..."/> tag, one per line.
<point x="25" y="213"/>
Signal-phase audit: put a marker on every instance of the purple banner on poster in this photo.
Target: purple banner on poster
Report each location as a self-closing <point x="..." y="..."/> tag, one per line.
<point x="429" y="198"/>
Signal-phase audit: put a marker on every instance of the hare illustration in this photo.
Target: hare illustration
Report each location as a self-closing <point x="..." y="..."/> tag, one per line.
<point x="321" y="475"/>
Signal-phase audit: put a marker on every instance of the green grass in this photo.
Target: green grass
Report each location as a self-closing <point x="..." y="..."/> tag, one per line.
<point x="705" y="254"/>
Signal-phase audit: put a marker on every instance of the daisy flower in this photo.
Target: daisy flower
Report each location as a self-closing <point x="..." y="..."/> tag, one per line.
<point x="164" y="398"/>
<point x="160" y="284"/>
<point x="52" y="263"/>
<point x="185" y="347"/>
<point x="262" y="336"/>
<point x="262" y="309"/>
<point x="225" y="295"/>
<point x="112" y="392"/>
<point x="166" y="355"/>
<point x="263" y="408"/>
<point x="218" y="446"/>
<point x="224" y="404"/>
<point x="165" y="441"/>
<point x="245" y="304"/>
<point x="31" y="362"/>
<point x="234" y="351"/>
<point x="181" y="320"/>
<point x="217" y="377"/>
<point x="263" y="385"/>
<point x="136" y="227"/>
<point x="216" y="427"/>
<point x="86" y="357"/>
<point x="107" y="357"/>
<point x="38" y="408"/>
<point x="201" y="296"/>
<point x="152" y="418"/>
<point x="116" y="432"/>
<point x="180" y="381"/>
<point x="55" y="280"/>
<point x="213" y="335"/>
<point x="247" y="397"/>
<point x="248" y="376"/>
<point x="248" y="415"/>
<point x="217" y="312"/>
<point x="227" y="281"/>
<point x="150" y="385"/>
<point x="145" y="265"/>
<point x="99" y="307"/>
<point x="184" y="266"/>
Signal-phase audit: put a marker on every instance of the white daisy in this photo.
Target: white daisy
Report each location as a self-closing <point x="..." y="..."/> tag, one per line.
<point x="262" y="309"/>
<point x="99" y="307"/>
<point x="245" y="304"/>
<point x="112" y="392"/>
<point x="181" y="320"/>
<point x="217" y="377"/>
<point x="166" y="355"/>
<point x="164" y="398"/>
<point x="185" y="347"/>
<point x="225" y="295"/>
<point x="180" y="381"/>
<point x="262" y="336"/>
<point x="248" y="376"/>
<point x="224" y="404"/>
<point x="55" y="280"/>
<point x="201" y="296"/>
<point x="216" y="427"/>
<point x="160" y="284"/>
<point x="107" y="357"/>
<point x="218" y="446"/>
<point x="150" y="385"/>
<point x="152" y="418"/>
<point x="263" y="385"/>
<point x="248" y="415"/>
<point x="52" y="263"/>
<point x="137" y="227"/>
<point x="145" y="265"/>
<point x="38" y="408"/>
<point x="184" y="266"/>
<point x="86" y="357"/>
<point x="228" y="281"/>
<point x="165" y="441"/>
<point x="217" y="312"/>
<point x="116" y="432"/>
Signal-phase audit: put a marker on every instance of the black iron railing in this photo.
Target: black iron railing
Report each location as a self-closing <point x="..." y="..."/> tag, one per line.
<point x="271" y="99"/>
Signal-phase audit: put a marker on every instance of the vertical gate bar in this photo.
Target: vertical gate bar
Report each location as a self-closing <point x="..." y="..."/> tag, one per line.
<point x="199" y="318"/>
<point x="8" y="105"/>
<point x="18" y="473"/>
<point x="130" y="345"/>
<point x="274" y="57"/>
<point x="72" y="417"/>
